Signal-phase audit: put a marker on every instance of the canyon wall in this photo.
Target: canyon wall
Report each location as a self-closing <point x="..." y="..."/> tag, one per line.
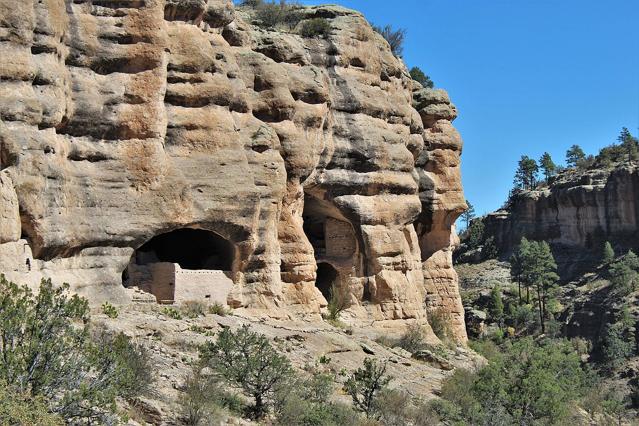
<point x="125" y="120"/>
<point x="576" y="214"/>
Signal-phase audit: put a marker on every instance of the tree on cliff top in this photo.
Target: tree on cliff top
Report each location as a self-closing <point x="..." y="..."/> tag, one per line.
<point x="575" y="156"/>
<point x="526" y="174"/>
<point x="418" y="75"/>
<point x="394" y="37"/>
<point x="629" y="143"/>
<point x="468" y="215"/>
<point x="548" y="166"/>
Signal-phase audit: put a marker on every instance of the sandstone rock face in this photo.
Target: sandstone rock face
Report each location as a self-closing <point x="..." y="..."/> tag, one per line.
<point x="316" y="161"/>
<point x="578" y="212"/>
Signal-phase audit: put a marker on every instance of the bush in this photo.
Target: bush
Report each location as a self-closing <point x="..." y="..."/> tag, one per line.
<point x="172" y="313"/>
<point x="316" y="27"/>
<point x="129" y="364"/>
<point x="616" y="345"/>
<point x="530" y="383"/>
<point x="18" y="408"/>
<point x="365" y="384"/>
<point x="271" y="14"/>
<point x="607" y="253"/>
<point x="440" y="323"/>
<point x="394" y="37"/>
<point x="496" y="307"/>
<point x="413" y="339"/>
<point x="247" y="360"/>
<point x="474" y="235"/>
<point x="109" y="310"/>
<point x="193" y="308"/>
<point x="46" y="353"/>
<point x="337" y="302"/>
<point x="307" y="402"/>
<point x="218" y="309"/>
<point x="202" y="400"/>
<point x="418" y="75"/>
<point x="489" y="250"/>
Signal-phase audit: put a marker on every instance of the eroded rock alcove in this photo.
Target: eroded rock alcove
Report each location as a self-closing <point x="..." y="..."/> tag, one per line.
<point x="121" y="121"/>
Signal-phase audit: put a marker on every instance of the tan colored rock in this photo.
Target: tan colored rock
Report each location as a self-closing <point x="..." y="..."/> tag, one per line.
<point x="302" y="161"/>
<point x="578" y="213"/>
<point x="9" y="214"/>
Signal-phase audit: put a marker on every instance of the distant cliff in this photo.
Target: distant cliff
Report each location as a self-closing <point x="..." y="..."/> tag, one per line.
<point x="576" y="213"/>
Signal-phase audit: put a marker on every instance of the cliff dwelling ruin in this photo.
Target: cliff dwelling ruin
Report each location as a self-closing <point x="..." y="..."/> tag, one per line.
<point x="184" y="264"/>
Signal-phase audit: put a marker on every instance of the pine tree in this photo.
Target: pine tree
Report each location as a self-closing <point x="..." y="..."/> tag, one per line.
<point x="548" y="166"/>
<point x="629" y="143"/>
<point x="468" y="215"/>
<point x="608" y="254"/>
<point x="575" y="156"/>
<point x="419" y="76"/>
<point x="496" y="304"/>
<point x="526" y="174"/>
<point x="539" y="270"/>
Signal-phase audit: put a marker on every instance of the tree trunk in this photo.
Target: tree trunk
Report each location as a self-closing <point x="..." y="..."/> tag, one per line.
<point x="259" y="406"/>
<point x="541" y="310"/>
<point x="519" y="288"/>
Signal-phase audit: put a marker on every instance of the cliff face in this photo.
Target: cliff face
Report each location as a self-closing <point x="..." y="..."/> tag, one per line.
<point x="578" y="213"/>
<point x="126" y="122"/>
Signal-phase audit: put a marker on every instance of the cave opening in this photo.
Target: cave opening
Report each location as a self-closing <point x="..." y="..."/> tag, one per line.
<point x="184" y="264"/>
<point x="190" y="248"/>
<point x="327" y="276"/>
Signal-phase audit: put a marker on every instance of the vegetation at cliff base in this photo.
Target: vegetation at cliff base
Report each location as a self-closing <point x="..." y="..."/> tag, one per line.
<point x="529" y="383"/>
<point x="55" y="366"/>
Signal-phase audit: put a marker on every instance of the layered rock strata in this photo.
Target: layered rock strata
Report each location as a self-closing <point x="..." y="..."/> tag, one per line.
<point x="577" y="213"/>
<point x="123" y="121"/>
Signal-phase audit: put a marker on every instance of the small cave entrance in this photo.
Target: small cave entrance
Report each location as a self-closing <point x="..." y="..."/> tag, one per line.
<point x="190" y="248"/>
<point x="184" y="264"/>
<point x="330" y="234"/>
<point x="327" y="275"/>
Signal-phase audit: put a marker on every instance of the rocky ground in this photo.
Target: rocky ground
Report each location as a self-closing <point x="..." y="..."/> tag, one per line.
<point x="173" y="345"/>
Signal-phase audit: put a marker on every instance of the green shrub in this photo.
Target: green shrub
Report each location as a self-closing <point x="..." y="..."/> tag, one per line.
<point x="337" y="302"/>
<point x="413" y="338"/>
<point x="617" y="344"/>
<point x="316" y="27"/>
<point x="109" y="310"/>
<point x="307" y="402"/>
<point x="218" y="309"/>
<point x="247" y="360"/>
<point x="489" y="250"/>
<point x="395" y="408"/>
<point x="172" y="313"/>
<point x="193" y="308"/>
<point x="197" y="401"/>
<point x="439" y="321"/>
<point x="418" y="75"/>
<point x="530" y="383"/>
<point x="18" y="408"/>
<point x="474" y="235"/>
<point x="47" y="353"/>
<point x="607" y="253"/>
<point x="496" y="308"/>
<point x="271" y="14"/>
<point x="128" y="364"/>
<point x="203" y="399"/>
<point x="394" y="37"/>
<point x="364" y="385"/>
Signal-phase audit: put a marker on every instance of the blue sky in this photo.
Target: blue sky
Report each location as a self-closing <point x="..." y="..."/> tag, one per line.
<point x="527" y="76"/>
